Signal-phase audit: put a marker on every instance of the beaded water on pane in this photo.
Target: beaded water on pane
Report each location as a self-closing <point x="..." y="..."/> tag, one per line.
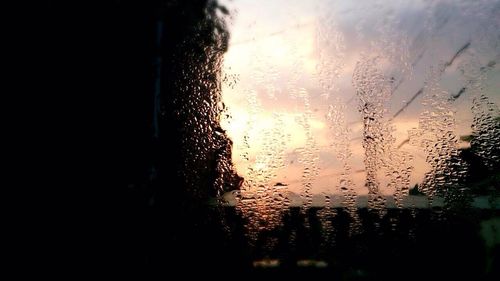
<point x="343" y="105"/>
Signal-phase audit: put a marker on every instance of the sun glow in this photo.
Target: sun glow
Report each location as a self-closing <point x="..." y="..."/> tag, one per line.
<point x="243" y="126"/>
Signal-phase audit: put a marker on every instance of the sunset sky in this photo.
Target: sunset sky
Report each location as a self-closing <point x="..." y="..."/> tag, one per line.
<point x="280" y="51"/>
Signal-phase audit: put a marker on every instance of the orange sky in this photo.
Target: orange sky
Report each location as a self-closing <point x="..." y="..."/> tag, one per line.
<point x="276" y="50"/>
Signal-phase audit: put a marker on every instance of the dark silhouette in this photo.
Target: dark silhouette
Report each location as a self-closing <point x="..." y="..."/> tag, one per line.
<point x="142" y="81"/>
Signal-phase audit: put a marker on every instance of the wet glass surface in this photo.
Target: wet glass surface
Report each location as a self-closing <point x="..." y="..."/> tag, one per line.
<point x="331" y="99"/>
<point x="350" y="115"/>
<point x="354" y="138"/>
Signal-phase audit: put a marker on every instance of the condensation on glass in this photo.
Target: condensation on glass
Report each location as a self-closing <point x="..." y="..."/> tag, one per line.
<point x="342" y="105"/>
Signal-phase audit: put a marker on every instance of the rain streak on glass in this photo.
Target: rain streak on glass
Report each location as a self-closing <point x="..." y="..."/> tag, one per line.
<point x="344" y="105"/>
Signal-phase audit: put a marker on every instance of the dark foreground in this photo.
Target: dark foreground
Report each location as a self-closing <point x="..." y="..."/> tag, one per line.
<point x="403" y="245"/>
